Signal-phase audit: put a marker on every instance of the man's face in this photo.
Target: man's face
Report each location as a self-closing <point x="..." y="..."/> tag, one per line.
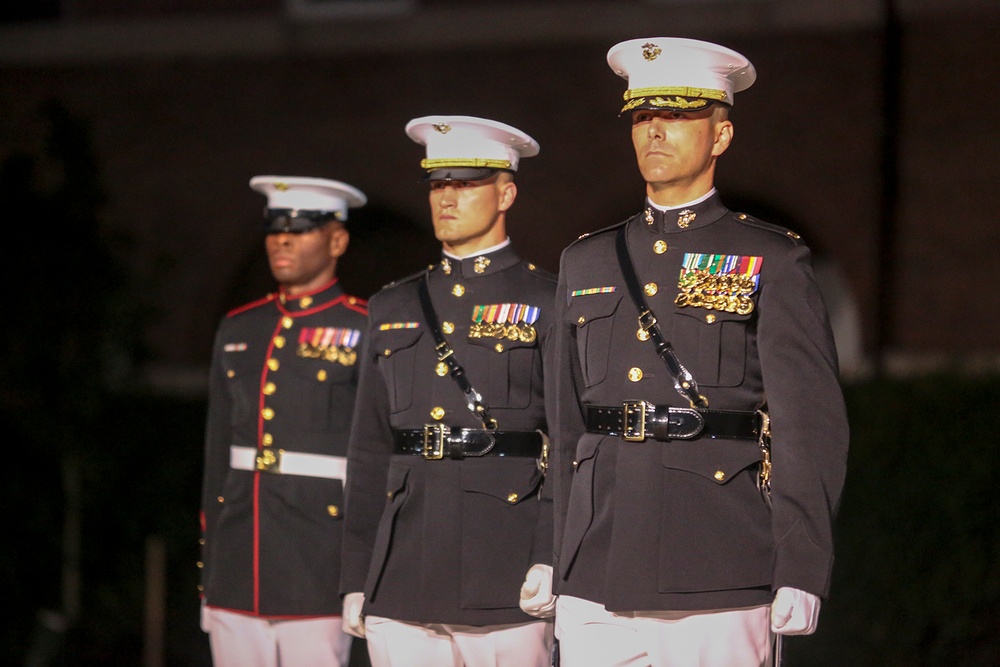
<point x="678" y="148"/>
<point x="467" y="215"/>
<point x="308" y="260"/>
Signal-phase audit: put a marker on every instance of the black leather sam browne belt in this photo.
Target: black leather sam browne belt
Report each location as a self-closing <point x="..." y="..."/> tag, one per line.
<point x="636" y="421"/>
<point x="437" y="441"/>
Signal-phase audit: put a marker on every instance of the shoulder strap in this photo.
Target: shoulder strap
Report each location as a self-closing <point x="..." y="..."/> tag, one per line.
<point x="444" y="353"/>
<point x="683" y="380"/>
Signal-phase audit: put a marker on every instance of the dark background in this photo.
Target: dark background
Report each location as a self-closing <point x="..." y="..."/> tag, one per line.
<point x="129" y="130"/>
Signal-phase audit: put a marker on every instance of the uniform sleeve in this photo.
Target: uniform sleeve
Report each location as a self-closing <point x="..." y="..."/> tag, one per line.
<point x="562" y="406"/>
<point x="217" y="441"/>
<point x="808" y="423"/>
<point x="542" y="551"/>
<point x="367" y="468"/>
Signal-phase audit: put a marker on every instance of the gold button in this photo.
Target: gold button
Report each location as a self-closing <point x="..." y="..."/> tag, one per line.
<point x="230" y="373"/>
<point x="650" y="289"/>
<point x="642" y="334"/>
<point x="269" y="388"/>
<point x="388" y="494"/>
<point x="221" y="499"/>
<point x="273" y="364"/>
<point x="458" y="290"/>
<point x="306" y="301"/>
<point x="200" y="587"/>
<point x="710" y="318"/>
<point x="321" y="375"/>
<point x="660" y="247"/>
<point x="437" y="413"/>
<point x="742" y="216"/>
<point x="635" y="374"/>
<point x="512" y="498"/>
<point x="352" y="300"/>
<point x="333" y="510"/>
<point x="499" y="347"/>
<point x="201" y="541"/>
<point x="719" y="475"/>
<point x="441" y="369"/>
<point x="267" y="413"/>
<point x="199" y="565"/>
<point x="286" y="322"/>
<point x="531" y="267"/>
<point x="387" y="352"/>
<point x="279" y="341"/>
<point x="267" y="440"/>
<point x="581" y="319"/>
<point x="447" y="327"/>
<point x="576" y="463"/>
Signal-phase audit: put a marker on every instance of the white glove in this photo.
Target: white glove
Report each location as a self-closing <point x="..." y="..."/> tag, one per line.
<point x="536" y="592"/>
<point x="794" y="612"/>
<point x="206" y="618"/>
<point x="353" y="621"/>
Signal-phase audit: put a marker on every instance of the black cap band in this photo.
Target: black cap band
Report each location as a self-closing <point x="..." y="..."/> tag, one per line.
<point x="295" y="221"/>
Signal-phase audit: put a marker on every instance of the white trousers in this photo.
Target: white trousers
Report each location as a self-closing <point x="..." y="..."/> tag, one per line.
<point x="400" y="644"/>
<point x="240" y="640"/>
<point x="589" y="635"/>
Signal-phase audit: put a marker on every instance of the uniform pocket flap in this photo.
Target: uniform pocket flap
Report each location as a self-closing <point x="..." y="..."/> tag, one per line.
<point x="711" y="315"/>
<point x="386" y="343"/>
<point x="717" y="460"/>
<point x="583" y="309"/>
<point x="517" y="479"/>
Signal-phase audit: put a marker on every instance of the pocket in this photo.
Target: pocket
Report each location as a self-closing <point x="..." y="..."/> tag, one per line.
<point x="593" y="317"/>
<point x="714" y="344"/>
<point x="504" y="359"/>
<point x="580" y="508"/>
<point x="716" y="532"/>
<point x="499" y="516"/>
<point x="396" y="493"/>
<point x="395" y="353"/>
<point x="327" y="393"/>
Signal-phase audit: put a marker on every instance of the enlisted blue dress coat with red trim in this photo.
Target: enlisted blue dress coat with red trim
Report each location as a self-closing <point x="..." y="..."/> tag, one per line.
<point x="283" y="377"/>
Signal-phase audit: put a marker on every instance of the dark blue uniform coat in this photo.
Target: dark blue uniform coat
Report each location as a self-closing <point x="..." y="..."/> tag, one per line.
<point x="680" y="525"/>
<point x="283" y="377"/>
<point x="448" y="541"/>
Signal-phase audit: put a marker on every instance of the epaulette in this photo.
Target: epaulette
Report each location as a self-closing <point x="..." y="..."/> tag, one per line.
<point x="411" y="277"/>
<point x="536" y="270"/>
<point x="604" y="230"/>
<point x="767" y="226"/>
<point x="253" y="304"/>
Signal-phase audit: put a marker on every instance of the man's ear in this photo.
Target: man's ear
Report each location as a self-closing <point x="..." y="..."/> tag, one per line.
<point x="723" y="137"/>
<point x="508" y="193"/>
<point x="339" y="238"/>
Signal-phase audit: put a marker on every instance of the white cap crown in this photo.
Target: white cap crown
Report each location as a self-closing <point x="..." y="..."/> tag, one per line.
<point x="679" y="74"/>
<point x="300" y="193"/>
<point x="466" y="142"/>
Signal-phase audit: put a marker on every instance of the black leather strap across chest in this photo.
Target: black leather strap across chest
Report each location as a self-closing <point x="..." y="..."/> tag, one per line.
<point x="683" y="380"/>
<point x="474" y="400"/>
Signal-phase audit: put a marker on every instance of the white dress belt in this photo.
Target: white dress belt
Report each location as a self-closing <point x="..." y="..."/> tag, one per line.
<point x="287" y="463"/>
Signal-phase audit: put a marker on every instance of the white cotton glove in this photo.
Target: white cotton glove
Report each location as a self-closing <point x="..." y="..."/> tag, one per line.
<point x="353" y="621"/>
<point x="205" y="620"/>
<point x="536" y="592"/>
<point x="794" y="612"/>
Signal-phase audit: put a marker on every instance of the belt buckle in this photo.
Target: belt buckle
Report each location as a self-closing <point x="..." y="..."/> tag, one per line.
<point x="634" y="420"/>
<point x="269" y="460"/>
<point x="434" y="436"/>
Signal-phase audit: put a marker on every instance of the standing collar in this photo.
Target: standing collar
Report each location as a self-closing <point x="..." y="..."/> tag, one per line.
<point x="694" y="215"/>
<point x="307" y="300"/>
<point x="481" y="264"/>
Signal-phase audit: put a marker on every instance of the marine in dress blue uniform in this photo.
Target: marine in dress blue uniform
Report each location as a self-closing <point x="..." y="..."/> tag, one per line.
<point x="281" y="398"/>
<point x="670" y="548"/>
<point x="446" y="504"/>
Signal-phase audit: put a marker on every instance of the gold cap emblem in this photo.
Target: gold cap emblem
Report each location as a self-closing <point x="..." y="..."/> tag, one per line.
<point x="650" y="51"/>
<point x="443" y="128"/>
<point x="280" y="186"/>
